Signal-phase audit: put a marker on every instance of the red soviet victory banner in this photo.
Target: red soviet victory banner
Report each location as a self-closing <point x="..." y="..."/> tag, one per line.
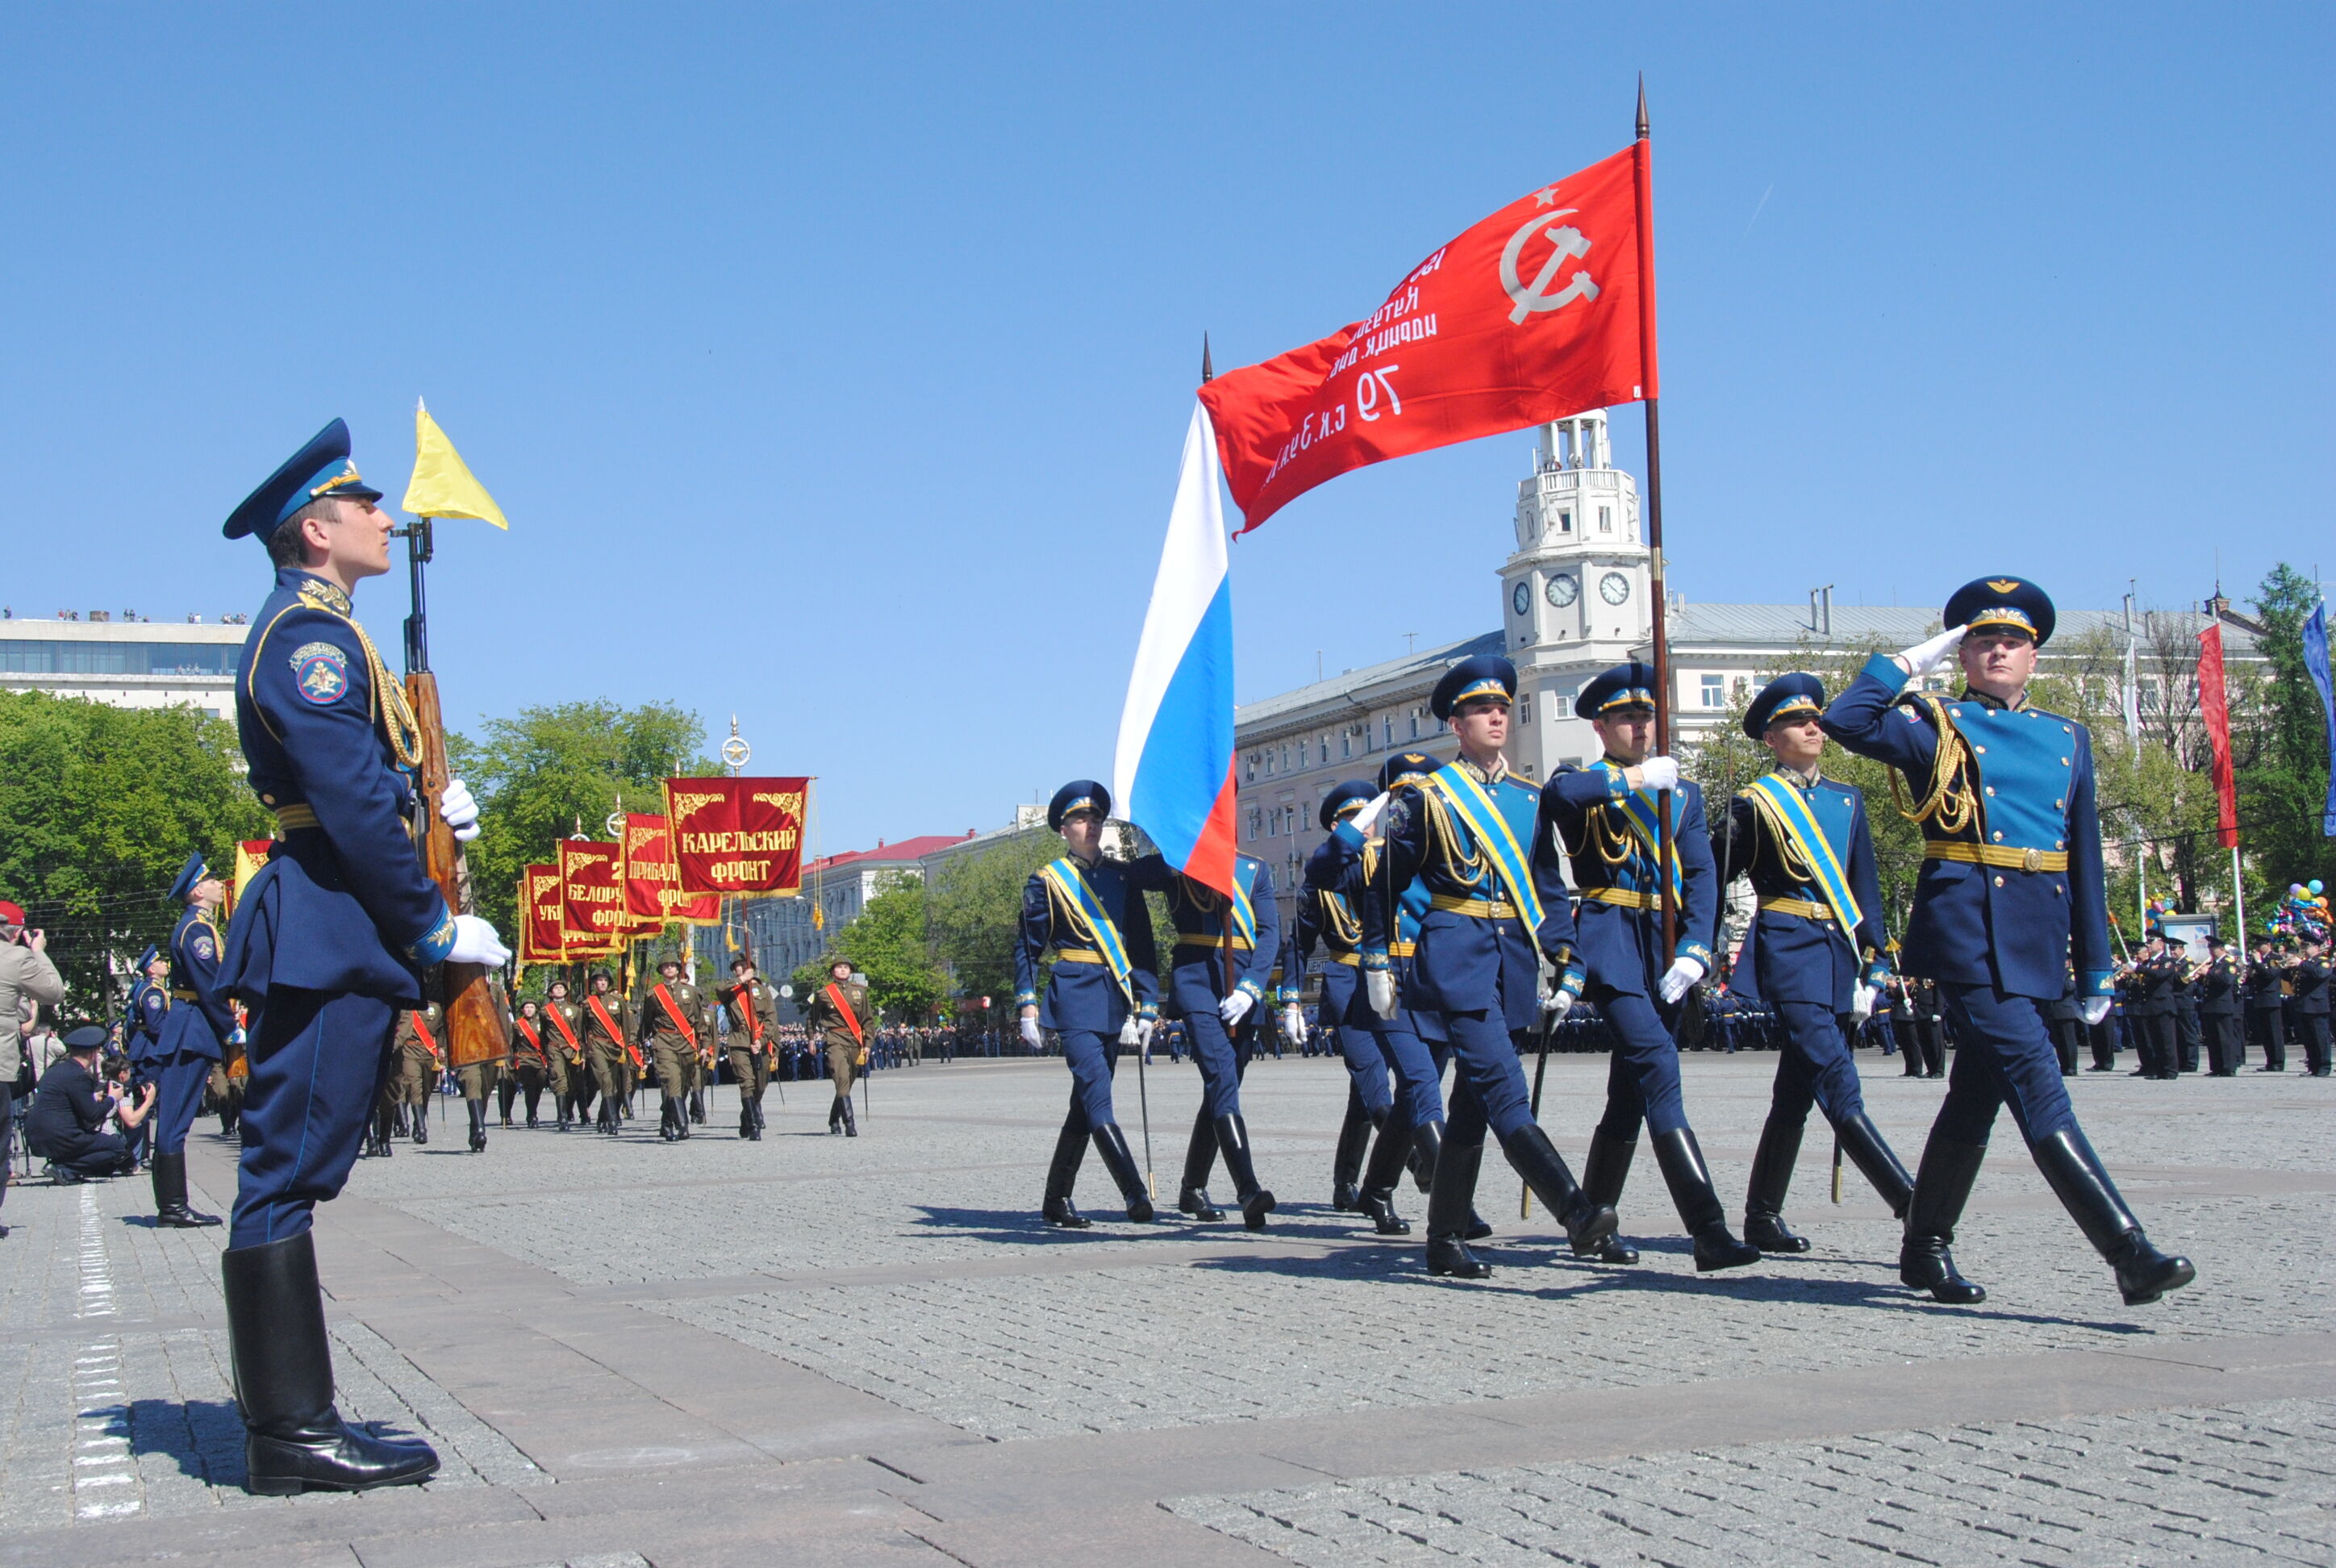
<point x="652" y="876"/>
<point x="541" y="940"/>
<point x="737" y="835"/>
<point x="592" y="920"/>
<point x="2215" y="707"/>
<point x="1530" y="316"/>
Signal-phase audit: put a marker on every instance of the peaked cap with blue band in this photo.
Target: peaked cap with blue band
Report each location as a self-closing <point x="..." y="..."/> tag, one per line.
<point x="1630" y="685"/>
<point x="1405" y="765"/>
<point x="193" y="872"/>
<point x="1351" y="795"/>
<point x="2003" y="604"/>
<point x="146" y="959"/>
<point x="1485" y="675"/>
<point x="1784" y="698"/>
<point x="1081" y="794"/>
<point x="319" y="468"/>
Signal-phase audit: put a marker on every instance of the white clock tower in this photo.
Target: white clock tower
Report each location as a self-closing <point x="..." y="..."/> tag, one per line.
<point x="1574" y="594"/>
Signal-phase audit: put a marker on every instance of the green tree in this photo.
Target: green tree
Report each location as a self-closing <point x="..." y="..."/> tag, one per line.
<point x="974" y="907"/>
<point x="887" y="942"/>
<point x="98" y="807"/>
<point x="558" y="772"/>
<point x="2282" y="758"/>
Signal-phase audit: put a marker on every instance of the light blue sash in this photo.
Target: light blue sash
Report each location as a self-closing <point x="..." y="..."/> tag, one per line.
<point x="1788" y="811"/>
<point x="1088" y="917"/>
<point x="1457" y="789"/>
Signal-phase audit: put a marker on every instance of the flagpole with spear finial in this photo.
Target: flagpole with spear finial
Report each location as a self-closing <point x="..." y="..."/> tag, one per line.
<point x="1664" y="856"/>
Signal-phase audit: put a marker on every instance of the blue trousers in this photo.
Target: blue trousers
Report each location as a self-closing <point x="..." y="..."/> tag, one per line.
<point x="178" y="1095"/>
<point x="1092" y="1057"/>
<point x="1642" y="1081"/>
<point x="2003" y="1057"/>
<point x="1212" y="1053"/>
<point x="1366" y="1065"/>
<point x="1489" y="1088"/>
<point x="1417" y="1095"/>
<point x="317" y="1062"/>
<point x="1814" y="1068"/>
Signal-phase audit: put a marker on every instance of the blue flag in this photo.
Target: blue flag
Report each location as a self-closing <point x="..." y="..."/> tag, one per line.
<point x="2315" y="659"/>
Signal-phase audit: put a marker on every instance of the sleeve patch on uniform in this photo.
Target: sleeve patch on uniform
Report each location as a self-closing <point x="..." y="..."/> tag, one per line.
<point x="202" y="946"/>
<point x="321" y="671"/>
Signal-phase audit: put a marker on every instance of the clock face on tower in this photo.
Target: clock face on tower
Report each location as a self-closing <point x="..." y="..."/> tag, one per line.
<point x="1613" y="587"/>
<point x="1564" y="591"/>
<point x="1521" y="597"/>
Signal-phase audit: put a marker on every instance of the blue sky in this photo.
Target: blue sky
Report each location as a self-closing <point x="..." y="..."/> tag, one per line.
<point x="833" y="365"/>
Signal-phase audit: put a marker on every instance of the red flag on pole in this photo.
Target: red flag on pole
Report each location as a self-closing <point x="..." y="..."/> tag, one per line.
<point x="2215" y="707"/>
<point x="1532" y="314"/>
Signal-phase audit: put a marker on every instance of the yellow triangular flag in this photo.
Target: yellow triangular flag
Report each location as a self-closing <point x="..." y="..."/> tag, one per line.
<point x="442" y="485"/>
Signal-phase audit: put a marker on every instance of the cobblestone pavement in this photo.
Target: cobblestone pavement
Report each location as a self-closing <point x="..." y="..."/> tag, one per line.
<point x="583" y="1324"/>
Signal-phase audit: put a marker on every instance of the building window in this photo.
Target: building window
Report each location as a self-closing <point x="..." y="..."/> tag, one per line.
<point x="1524" y="709"/>
<point x="1565" y="523"/>
<point x="1605" y="520"/>
<point x="1715" y="691"/>
<point x="1345" y="744"/>
<point x="1415" y="725"/>
<point x="1386" y="729"/>
<point x="1324" y="744"/>
<point x="1249" y="774"/>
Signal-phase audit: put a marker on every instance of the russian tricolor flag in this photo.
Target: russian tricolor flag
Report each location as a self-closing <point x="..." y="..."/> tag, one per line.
<point x="1173" y="772"/>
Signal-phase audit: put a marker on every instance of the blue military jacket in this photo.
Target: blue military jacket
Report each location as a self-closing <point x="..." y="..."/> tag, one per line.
<point x="1330" y="914"/>
<point x="2011" y="891"/>
<point x="1390" y="924"/>
<point x="1469" y="961"/>
<point x="201" y="1021"/>
<point x="1083" y="994"/>
<point x="1197" y="978"/>
<point x="1797" y="954"/>
<point x="341" y="905"/>
<point x="142" y="1033"/>
<point x="1586" y="817"/>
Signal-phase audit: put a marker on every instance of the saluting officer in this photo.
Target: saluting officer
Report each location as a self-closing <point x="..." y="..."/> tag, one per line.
<point x="142" y="1025"/>
<point x="1103" y="992"/>
<point x="1602" y="819"/>
<point x="193" y="1035"/>
<point x="329" y="939"/>
<point x="672" y="1021"/>
<point x="839" y="1012"/>
<point x="2010" y="895"/>
<point x="1465" y="832"/>
<point x="753" y="1008"/>
<point x="1815" y="948"/>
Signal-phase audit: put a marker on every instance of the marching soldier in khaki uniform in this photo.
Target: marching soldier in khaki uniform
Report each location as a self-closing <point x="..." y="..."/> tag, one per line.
<point x="840" y="1013"/>
<point x="565" y="1068"/>
<point x="479" y="1080"/>
<point x="753" y="1008"/>
<point x="609" y="1040"/>
<point x="413" y="1073"/>
<point x="529" y="1061"/>
<point x="671" y="1023"/>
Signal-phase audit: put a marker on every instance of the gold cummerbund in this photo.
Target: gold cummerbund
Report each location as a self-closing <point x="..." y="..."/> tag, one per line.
<point x="1807" y="909"/>
<point x="1482" y="909"/>
<point x="1077" y="955"/>
<point x="1622" y="898"/>
<point x="2003" y="855"/>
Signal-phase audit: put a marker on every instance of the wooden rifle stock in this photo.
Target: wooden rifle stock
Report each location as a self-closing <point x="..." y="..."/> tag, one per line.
<point x="478" y="1016"/>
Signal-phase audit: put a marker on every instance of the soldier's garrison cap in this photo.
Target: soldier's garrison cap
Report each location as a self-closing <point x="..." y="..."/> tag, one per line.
<point x="318" y="470"/>
<point x="1787" y="696"/>
<point x="2003" y="604"/>
<point x="1081" y="794"/>
<point x="1485" y="675"/>
<point x="193" y="872"/>
<point x="1350" y="796"/>
<point x="146" y="959"/>
<point x="1630" y="685"/>
<point x="1405" y="767"/>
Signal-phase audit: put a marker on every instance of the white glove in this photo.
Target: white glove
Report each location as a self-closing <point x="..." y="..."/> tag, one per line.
<point x="1362" y="821"/>
<point x="460" y="810"/>
<point x="2096" y="1010"/>
<point x="1293" y="1024"/>
<point x="1683" y="973"/>
<point x="1378" y="985"/>
<point x="475" y="942"/>
<point x="1556" y="1002"/>
<point x="1861" y="1003"/>
<point x="1030" y="1036"/>
<point x="1234" y="1009"/>
<point x="1925" y="657"/>
<point x="1145" y="1029"/>
<point x="1131" y="1033"/>
<point x="1659" y="774"/>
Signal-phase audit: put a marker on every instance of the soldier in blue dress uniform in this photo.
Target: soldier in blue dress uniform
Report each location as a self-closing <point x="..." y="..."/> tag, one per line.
<point x="330" y="938"/>
<point x="1218" y="980"/>
<point x="193" y="1034"/>
<point x="1464" y="833"/>
<point x="1602" y="819"/>
<point x="1103" y="993"/>
<point x="2010" y="895"/>
<point x="1815" y="951"/>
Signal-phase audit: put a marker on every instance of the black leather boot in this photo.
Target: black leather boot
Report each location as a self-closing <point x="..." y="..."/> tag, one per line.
<point x="2143" y="1272"/>
<point x="850" y="1126"/>
<point x="835" y="1117"/>
<point x="422" y="1123"/>
<point x="746" y="1119"/>
<point x="507" y="1095"/>
<point x="1449" y="1210"/>
<point x="1200" y="1153"/>
<point x="1862" y="1145"/>
<point x="1941" y="1187"/>
<point x="1699" y="1209"/>
<point x="1062" y="1172"/>
<point x="697" y="1106"/>
<point x="1112" y="1144"/>
<point x="170" y="1211"/>
<point x="294" y="1440"/>
<point x="1232" y="1141"/>
<point x="668" y="1118"/>
<point x="1347" y="1163"/>
<point x="1537" y="1159"/>
<point x="1380" y="1176"/>
<point x="1772" y="1175"/>
<point x="1604" y="1174"/>
<point x="1427" y="1143"/>
<point x="563" y="1104"/>
<point x="478" y="1109"/>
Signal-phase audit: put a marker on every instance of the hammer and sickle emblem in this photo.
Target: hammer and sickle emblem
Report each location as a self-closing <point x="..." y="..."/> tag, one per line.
<point x="1569" y="246"/>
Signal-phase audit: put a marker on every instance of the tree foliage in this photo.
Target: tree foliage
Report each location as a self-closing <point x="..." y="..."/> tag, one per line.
<point x="974" y="906"/>
<point x="99" y="808"/>
<point x="2283" y="772"/>
<point x="886" y="942"/>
